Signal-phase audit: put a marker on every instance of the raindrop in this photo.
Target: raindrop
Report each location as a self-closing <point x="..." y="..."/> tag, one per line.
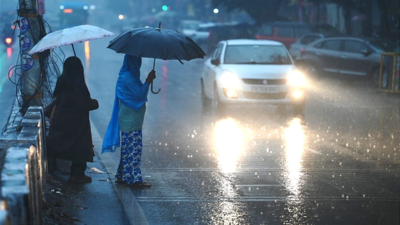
<point x="367" y="150"/>
<point x="347" y="197"/>
<point x="166" y="144"/>
<point x="342" y="195"/>
<point x="363" y="195"/>
<point x="159" y="143"/>
<point x="261" y="213"/>
<point x="333" y="176"/>
<point x="255" y="173"/>
<point x="340" y="163"/>
<point x="342" y="186"/>
<point x="192" y="135"/>
<point x="175" y="153"/>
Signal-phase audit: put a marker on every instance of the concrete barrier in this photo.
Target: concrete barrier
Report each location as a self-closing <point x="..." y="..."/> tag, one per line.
<point x="23" y="171"/>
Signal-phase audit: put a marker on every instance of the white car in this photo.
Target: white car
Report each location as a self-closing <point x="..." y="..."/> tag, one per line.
<point x="252" y="71"/>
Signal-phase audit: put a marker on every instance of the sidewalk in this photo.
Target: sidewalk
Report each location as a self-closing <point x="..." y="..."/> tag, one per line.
<point x="100" y="202"/>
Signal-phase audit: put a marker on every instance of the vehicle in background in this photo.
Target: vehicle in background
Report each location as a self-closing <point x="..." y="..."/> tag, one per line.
<point x="251" y="71"/>
<point x="289" y="32"/>
<point x="188" y="27"/>
<point x="297" y="47"/>
<point x="201" y="34"/>
<point x="73" y="14"/>
<point x="7" y="32"/>
<point x="348" y="56"/>
<point x="221" y="32"/>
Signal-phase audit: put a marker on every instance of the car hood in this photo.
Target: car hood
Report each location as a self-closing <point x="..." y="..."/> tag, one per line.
<point x="259" y="71"/>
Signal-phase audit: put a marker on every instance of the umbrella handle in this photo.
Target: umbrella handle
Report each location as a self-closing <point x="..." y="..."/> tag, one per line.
<point x="153" y="90"/>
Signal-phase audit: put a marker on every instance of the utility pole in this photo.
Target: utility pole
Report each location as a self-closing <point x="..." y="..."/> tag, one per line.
<point x="31" y="77"/>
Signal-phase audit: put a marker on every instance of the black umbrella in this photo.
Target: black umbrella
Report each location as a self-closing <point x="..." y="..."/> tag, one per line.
<point x="156" y="43"/>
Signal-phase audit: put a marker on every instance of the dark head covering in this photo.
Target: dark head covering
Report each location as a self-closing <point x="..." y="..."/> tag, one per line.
<point x="72" y="77"/>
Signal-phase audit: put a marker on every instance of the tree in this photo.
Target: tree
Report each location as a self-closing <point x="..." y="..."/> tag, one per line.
<point x="260" y="10"/>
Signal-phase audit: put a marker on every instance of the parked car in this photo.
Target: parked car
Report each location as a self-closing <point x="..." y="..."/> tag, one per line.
<point x="202" y="33"/>
<point x="289" y="32"/>
<point x="352" y="57"/>
<point x="297" y="47"/>
<point x="251" y="71"/>
<point x="188" y="27"/>
<point x="229" y="31"/>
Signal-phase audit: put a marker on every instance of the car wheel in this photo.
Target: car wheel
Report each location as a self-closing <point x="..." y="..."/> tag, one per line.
<point x="205" y="101"/>
<point x="298" y="109"/>
<point x="218" y="104"/>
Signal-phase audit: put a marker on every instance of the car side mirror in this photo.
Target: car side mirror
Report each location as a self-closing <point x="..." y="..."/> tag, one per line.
<point x="365" y="52"/>
<point x="215" y="62"/>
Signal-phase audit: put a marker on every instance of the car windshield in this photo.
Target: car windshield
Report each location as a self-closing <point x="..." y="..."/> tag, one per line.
<point x="383" y="45"/>
<point x="256" y="54"/>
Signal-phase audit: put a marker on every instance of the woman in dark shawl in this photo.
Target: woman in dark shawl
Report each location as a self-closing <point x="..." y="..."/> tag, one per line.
<point x="70" y="136"/>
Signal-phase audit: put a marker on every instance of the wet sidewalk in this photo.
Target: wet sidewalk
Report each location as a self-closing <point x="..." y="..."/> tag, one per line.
<point x="101" y="202"/>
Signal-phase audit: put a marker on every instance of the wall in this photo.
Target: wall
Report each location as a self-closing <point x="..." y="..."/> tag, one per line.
<point x="23" y="168"/>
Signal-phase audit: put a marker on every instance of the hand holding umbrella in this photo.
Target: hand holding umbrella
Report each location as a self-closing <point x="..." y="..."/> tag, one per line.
<point x="151" y="77"/>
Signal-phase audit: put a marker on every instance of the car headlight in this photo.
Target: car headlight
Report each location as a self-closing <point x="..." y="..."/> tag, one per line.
<point x="296" y="78"/>
<point x="229" y="79"/>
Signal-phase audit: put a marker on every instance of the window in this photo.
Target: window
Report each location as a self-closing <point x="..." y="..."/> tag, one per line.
<point x="286" y="32"/>
<point x="354" y="46"/>
<point x="308" y="39"/>
<point x="266" y="30"/>
<point x="257" y="54"/>
<point x="217" y="52"/>
<point x="332" y="45"/>
<point x="319" y="44"/>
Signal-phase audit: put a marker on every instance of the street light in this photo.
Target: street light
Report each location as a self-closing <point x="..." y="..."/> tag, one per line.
<point x="216" y="11"/>
<point x="121" y="17"/>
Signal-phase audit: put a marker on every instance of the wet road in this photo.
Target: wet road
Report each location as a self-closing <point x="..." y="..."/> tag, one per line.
<point x="336" y="164"/>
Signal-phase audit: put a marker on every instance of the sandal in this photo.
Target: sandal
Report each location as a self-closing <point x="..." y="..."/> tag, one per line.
<point x="120" y="181"/>
<point x="140" y="185"/>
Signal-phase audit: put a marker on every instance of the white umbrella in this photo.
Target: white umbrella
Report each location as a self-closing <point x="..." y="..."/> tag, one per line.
<point x="71" y="35"/>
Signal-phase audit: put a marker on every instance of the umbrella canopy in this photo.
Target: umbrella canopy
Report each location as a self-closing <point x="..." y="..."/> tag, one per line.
<point x="156" y="43"/>
<point x="71" y="35"/>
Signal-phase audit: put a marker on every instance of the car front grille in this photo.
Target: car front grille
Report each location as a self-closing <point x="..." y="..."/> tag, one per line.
<point x="268" y="81"/>
<point x="253" y="95"/>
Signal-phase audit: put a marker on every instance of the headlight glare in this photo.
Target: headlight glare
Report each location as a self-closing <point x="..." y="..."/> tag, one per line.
<point x="296" y="78"/>
<point x="229" y="80"/>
